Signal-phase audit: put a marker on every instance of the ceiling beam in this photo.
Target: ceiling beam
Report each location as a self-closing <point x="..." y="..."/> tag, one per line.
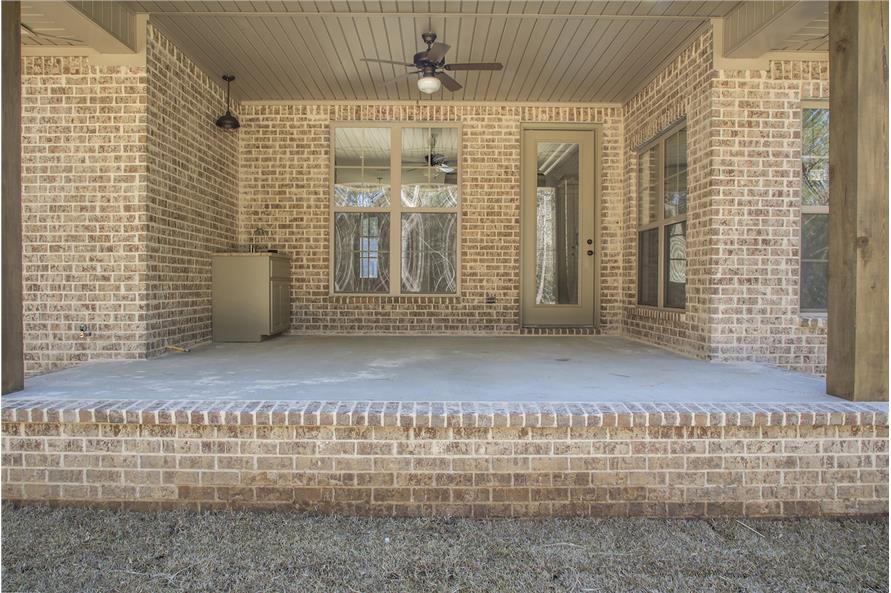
<point x="755" y="28"/>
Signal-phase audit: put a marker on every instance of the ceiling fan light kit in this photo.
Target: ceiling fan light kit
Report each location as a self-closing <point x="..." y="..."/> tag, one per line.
<point x="227" y="121"/>
<point x="431" y="65"/>
<point x="429" y="84"/>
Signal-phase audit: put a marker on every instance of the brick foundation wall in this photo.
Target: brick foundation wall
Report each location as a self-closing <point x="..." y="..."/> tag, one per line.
<point x="452" y="459"/>
<point x="285" y="190"/>
<point x="192" y="194"/>
<point x="83" y="211"/>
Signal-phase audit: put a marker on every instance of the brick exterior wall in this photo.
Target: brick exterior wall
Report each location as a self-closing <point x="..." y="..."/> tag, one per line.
<point x="680" y="91"/>
<point x="192" y="195"/>
<point x="83" y="211"/>
<point x="756" y="209"/>
<point x="285" y="190"/>
<point x="468" y="459"/>
<point x="744" y="218"/>
<point x="129" y="187"/>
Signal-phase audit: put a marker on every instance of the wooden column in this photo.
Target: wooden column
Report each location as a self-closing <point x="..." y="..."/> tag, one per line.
<point x="12" y="358"/>
<point x="857" y="366"/>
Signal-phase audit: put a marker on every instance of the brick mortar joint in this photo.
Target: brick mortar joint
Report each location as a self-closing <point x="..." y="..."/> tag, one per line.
<point x="441" y="414"/>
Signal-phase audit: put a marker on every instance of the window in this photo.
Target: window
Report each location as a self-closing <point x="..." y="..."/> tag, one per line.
<point x="814" y="207"/>
<point x="662" y="222"/>
<point x="420" y="219"/>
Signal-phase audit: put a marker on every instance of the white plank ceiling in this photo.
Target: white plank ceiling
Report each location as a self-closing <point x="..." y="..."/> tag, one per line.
<point x="812" y="37"/>
<point x="552" y="51"/>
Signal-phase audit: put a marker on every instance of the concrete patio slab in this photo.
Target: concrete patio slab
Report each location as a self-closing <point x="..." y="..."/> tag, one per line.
<point x="409" y="368"/>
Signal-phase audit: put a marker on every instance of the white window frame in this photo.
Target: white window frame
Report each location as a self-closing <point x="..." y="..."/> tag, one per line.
<point x="396" y="209"/>
<point x="661" y="223"/>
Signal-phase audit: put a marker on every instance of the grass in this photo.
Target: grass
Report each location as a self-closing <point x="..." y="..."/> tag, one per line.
<point x="83" y="550"/>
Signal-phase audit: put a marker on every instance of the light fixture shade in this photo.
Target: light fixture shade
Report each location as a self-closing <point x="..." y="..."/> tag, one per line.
<point x="429" y="84"/>
<point x="227" y="121"/>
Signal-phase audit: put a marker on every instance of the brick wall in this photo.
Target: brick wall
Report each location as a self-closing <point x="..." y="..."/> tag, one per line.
<point x="285" y="190"/>
<point x="756" y="178"/>
<point x="452" y="458"/>
<point x="744" y="225"/>
<point x="679" y="91"/>
<point x="83" y="207"/>
<point x="192" y="195"/>
<point x="129" y="187"/>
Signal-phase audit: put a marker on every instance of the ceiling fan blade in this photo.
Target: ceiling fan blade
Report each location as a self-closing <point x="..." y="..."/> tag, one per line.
<point x="385" y="62"/>
<point x="437" y="52"/>
<point x="400" y="77"/>
<point x="474" y="66"/>
<point x="448" y="82"/>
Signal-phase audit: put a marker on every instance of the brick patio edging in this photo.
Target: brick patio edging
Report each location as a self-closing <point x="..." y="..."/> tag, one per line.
<point x="440" y="414"/>
<point x="448" y="459"/>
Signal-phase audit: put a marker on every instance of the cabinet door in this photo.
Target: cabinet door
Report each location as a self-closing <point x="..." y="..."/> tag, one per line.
<point x="279" y="306"/>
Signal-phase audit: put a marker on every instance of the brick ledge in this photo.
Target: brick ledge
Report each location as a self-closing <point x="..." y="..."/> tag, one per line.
<point x="440" y="414"/>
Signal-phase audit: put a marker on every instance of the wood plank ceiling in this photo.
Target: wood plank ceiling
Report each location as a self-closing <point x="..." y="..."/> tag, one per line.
<point x="552" y="51"/>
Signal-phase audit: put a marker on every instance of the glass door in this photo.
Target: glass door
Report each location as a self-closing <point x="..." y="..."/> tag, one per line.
<point x="558" y="228"/>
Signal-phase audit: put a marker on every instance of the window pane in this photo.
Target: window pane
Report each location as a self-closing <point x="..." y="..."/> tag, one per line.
<point x="675" y="174"/>
<point x="557" y="224"/>
<point x="647" y="179"/>
<point x="361" y="187"/>
<point x="369" y="147"/>
<point x="361" y="252"/>
<point x="814" y="282"/>
<point x="429" y="253"/>
<point x="814" y="261"/>
<point x="676" y="265"/>
<point x="362" y="167"/>
<point x="430" y="167"/>
<point x="815" y="157"/>
<point x="430" y="195"/>
<point x="648" y="267"/>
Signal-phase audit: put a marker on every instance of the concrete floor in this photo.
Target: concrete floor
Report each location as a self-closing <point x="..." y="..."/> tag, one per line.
<point x="401" y="368"/>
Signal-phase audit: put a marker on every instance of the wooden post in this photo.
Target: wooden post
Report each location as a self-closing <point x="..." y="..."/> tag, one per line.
<point x="12" y="358"/>
<point x="857" y="357"/>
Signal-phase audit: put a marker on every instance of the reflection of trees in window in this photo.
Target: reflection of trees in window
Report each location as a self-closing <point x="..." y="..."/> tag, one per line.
<point x="815" y="157"/>
<point x="429" y="250"/>
<point x="814" y="208"/>
<point x="545" y="254"/>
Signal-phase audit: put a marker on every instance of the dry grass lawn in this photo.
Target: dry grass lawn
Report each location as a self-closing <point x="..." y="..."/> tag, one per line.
<point x="84" y="550"/>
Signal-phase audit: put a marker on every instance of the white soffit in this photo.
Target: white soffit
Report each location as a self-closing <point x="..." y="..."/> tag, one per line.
<point x="591" y="52"/>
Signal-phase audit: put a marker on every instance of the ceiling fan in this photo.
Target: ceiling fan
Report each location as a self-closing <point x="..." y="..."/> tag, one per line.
<point x="430" y="64"/>
<point x="434" y="160"/>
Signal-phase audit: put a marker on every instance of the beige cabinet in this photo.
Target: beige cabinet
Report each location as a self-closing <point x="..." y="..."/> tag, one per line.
<point x="251" y="296"/>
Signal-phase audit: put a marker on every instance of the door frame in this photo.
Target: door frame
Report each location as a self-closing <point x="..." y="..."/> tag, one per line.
<point x="527" y="266"/>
